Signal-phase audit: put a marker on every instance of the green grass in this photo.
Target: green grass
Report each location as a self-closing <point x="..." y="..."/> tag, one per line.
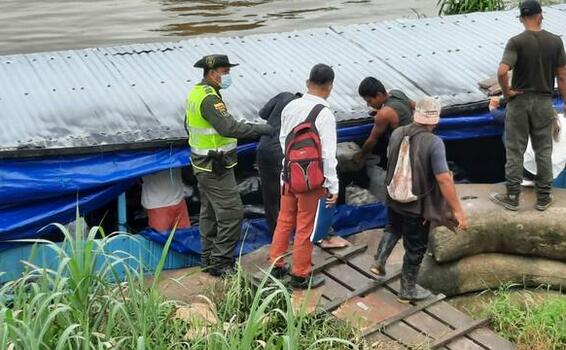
<point x="532" y="321"/>
<point x="455" y="7"/>
<point x="77" y="306"/>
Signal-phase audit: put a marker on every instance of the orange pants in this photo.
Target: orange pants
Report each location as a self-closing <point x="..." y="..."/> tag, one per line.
<point x="164" y="219"/>
<point x="297" y="212"/>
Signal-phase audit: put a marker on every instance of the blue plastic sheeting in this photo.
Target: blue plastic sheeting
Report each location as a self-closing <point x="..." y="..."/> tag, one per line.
<point x="28" y="180"/>
<point x="187" y="241"/>
<point x="347" y="220"/>
<point x="560" y="181"/>
<point x="140" y="249"/>
<point x="24" y="220"/>
<point x="38" y="191"/>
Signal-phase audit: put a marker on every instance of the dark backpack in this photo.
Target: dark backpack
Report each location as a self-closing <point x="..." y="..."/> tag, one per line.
<point x="302" y="168"/>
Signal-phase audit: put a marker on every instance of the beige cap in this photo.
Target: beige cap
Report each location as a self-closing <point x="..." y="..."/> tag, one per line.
<point x="427" y="111"/>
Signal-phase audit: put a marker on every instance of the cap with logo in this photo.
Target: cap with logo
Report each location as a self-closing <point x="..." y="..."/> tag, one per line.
<point x="529" y="8"/>
<point x="214" y="61"/>
<point x="427" y="111"/>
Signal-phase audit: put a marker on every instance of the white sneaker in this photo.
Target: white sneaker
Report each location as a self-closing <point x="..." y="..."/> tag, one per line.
<point x="527" y="183"/>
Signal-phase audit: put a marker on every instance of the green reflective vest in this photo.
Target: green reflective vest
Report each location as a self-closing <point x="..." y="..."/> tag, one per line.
<point x="202" y="135"/>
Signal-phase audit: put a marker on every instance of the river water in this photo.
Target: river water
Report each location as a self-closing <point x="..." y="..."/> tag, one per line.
<point x="47" y="25"/>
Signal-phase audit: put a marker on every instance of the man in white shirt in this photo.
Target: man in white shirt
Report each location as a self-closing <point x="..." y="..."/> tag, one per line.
<point x="164" y="200"/>
<point x="298" y="209"/>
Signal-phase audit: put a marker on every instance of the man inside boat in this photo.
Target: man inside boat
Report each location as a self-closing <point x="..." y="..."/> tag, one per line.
<point x="536" y="57"/>
<point x="163" y="199"/>
<point x="390" y="110"/>
<point x="213" y="134"/>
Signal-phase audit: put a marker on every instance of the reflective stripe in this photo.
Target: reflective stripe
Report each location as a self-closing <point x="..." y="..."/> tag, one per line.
<point x="209" y="170"/>
<point x="202" y="169"/>
<point x="203" y="131"/>
<point x="204" y="151"/>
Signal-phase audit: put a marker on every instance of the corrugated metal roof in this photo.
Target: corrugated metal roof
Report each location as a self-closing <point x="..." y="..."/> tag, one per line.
<point x="446" y="56"/>
<point x="135" y="93"/>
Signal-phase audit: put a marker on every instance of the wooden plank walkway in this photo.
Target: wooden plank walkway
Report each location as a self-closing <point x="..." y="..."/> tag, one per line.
<point x="352" y="293"/>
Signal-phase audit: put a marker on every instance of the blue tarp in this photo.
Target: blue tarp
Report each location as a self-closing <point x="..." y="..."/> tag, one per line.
<point x="347" y="220"/>
<point x="37" y="191"/>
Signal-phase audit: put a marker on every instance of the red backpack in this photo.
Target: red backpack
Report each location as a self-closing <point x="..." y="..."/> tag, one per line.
<point x="302" y="169"/>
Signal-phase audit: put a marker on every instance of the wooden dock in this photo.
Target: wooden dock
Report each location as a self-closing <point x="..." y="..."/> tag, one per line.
<point x="353" y="293"/>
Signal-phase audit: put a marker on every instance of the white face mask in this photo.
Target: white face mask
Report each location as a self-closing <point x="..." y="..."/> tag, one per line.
<point x="225" y="81"/>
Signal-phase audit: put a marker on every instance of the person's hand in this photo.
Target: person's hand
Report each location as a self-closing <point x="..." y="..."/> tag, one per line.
<point x="494" y="103"/>
<point x="461" y="219"/>
<point x="266" y="129"/>
<point x="512" y="93"/>
<point x="359" y="157"/>
<point x="331" y="199"/>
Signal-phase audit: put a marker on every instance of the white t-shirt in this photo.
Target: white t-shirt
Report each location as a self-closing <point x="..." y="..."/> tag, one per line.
<point x="162" y="189"/>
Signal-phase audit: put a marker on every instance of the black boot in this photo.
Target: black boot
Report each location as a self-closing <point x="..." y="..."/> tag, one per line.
<point x="409" y="291"/>
<point x="204" y="263"/>
<point x="280" y="272"/>
<point x="222" y="271"/>
<point x="386" y="245"/>
<point x="543" y="202"/>
<point x="310" y="282"/>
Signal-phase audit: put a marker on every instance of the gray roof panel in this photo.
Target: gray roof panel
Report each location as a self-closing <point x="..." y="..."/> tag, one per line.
<point x="135" y="94"/>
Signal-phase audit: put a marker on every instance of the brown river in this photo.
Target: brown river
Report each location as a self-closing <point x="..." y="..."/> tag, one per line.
<point x="47" y="25"/>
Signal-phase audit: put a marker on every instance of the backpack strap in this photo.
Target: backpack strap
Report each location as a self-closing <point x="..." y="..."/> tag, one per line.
<point x="412" y="131"/>
<point x="314" y="113"/>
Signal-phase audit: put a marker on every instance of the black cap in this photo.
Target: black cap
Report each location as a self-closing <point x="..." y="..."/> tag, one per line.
<point x="529" y="8"/>
<point x="214" y="61"/>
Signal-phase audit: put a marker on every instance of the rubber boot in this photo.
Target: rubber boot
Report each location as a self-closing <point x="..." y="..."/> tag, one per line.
<point x="409" y="291"/>
<point x="386" y="245"/>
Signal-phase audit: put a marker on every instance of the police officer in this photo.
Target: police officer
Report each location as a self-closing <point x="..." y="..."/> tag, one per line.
<point x="213" y="135"/>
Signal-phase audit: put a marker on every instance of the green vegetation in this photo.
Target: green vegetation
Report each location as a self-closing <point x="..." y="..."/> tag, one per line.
<point x="455" y="7"/>
<point x="77" y="306"/>
<point x="532" y="321"/>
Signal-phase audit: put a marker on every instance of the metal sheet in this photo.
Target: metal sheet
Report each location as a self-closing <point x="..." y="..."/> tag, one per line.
<point x="446" y="56"/>
<point x="135" y="94"/>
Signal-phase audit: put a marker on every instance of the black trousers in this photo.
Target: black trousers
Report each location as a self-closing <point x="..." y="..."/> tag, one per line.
<point x="270" y="177"/>
<point x="414" y="231"/>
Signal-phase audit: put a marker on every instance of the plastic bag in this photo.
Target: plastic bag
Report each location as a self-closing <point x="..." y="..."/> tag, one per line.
<point x="376" y="175"/>
<point x="558" y="152"/>
<point x="401" y="187"/>
<point x="358" y="196"/>
<point x="345" y="152"/>
<point x="250" y="190"/>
